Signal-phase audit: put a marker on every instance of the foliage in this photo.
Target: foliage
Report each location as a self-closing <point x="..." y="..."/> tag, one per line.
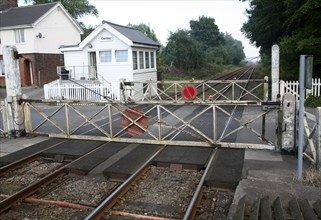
<point x="87" y="30"/>
<point x="206" y="31"/>
<point x="203" y="47"/>
<point x="312" y="177"/>
<point x="313" y="101"/>
<point x="183" y="51"/>
<point x="264" y="25"/>
<point x="76" y="8"/>
<point x="234" y="49"/>
<point x="146" y="30"/>
<point x="293" y="24"/>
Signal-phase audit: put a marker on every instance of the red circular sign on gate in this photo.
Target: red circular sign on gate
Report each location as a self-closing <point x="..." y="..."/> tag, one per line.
<point x="189" y="92"/>
<point x="134" y="114"/>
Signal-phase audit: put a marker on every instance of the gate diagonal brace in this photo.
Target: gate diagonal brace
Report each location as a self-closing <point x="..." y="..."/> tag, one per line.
<point x="47" y="118"/>
<point x="245" y="125"/>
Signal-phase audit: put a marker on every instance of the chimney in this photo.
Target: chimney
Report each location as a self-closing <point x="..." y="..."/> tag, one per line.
<point x="6" y="4"/>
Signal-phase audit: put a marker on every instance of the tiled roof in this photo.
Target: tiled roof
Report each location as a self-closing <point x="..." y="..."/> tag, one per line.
<point x="25" y="15"/>
<point x="133" y="34"/>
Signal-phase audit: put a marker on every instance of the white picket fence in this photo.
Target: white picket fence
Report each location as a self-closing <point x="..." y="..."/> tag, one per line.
<point x="82" y="91"/>
<point x="60" y="89"/>
<point x="293" y="87"/>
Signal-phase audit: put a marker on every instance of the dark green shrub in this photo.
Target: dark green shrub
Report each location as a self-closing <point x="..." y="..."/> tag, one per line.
<point x="313" y="101"/>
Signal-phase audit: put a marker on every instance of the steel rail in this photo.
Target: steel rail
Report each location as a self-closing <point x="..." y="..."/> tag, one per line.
<point x="27" y="159"/>
<point x="192" y="208"/>
<point x="27" y="191"/>
<point x="110" y="201"/>
<point x="226" y="88"/>
<point x="230" y="118"/>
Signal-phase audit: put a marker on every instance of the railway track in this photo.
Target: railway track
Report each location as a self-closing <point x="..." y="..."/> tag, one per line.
<point x="110" y="193"/>
<point x="174" y="194"/>
<point x="33" y="176"/>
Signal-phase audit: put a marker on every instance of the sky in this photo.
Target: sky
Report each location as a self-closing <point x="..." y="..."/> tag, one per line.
<point x="165" y="16"/>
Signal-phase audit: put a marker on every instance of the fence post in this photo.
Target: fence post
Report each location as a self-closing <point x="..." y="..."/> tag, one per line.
<point x="275" y="72"/>
<point x="67" y="120"/>
<point x="214" y="124"/>
<point x="101" y="90"/>
<point x="266" y="88"/>
<point x="318" y="131"/>
<point x="28" y="123"/>
<point x="122" y="90"/>
<point x="159" y="121"/>
<point x="45" y="89"/>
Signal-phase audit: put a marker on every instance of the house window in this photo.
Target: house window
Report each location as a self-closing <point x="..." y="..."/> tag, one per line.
<point x="141" y="60"/>
<point x="152" y="63"/>
<point x="20" y="35"/>
<point x="105" y="56"/>
<point x="121" y="55"/>
<point x="147" y="60"/>
<point x="135" y="64"/>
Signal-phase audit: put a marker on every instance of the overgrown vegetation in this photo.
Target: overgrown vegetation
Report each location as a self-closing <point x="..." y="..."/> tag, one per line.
<point x="201" y="51"/>
<point x="313" y="101"/>
<point x="292" y="24"/>
<point x="312" y="177"/>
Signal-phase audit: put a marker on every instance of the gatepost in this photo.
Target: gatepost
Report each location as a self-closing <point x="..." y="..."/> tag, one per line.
<point x="288" y="122"/>
<point x="15" y="119"/>
<point x="275" y="63"/>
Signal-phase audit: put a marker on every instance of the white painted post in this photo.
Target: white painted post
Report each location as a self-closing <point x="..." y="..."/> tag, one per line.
<point x="13" y="89"/>
<point x="266" y="89"/>
<point x="288" y="122"/>
<point x="275" y="72"/>
<point x="12" y="76"/>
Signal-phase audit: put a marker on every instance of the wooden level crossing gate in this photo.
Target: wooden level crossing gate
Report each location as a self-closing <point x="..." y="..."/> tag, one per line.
<point x="164" y="115"/>
<point x="213" y="117"/>
<point x="191" y="125"/>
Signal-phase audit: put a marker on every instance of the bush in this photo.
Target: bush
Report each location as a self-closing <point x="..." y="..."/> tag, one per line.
<point x="313" y="101"/>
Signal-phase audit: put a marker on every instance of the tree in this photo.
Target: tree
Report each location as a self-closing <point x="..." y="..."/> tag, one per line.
<point x="203" y="47"/>
<point x="87" y="30"/>
<point x="76" y="8"/>
<point x="264" y="27"/>
<point x="234" y="50"/>
<point x="206" y="31"/>
<point x="183" y="51"/>
<point x="146" y="30"/>
<point x="293" y="24"/>
<point x="302" y="34"/>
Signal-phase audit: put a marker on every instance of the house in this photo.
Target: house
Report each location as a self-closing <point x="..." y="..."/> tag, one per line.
<point x="37" y="31"/>
<point x="110" y="53"/>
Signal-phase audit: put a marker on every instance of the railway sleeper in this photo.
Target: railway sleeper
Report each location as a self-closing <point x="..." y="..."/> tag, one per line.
<point x="261" y="208"/>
